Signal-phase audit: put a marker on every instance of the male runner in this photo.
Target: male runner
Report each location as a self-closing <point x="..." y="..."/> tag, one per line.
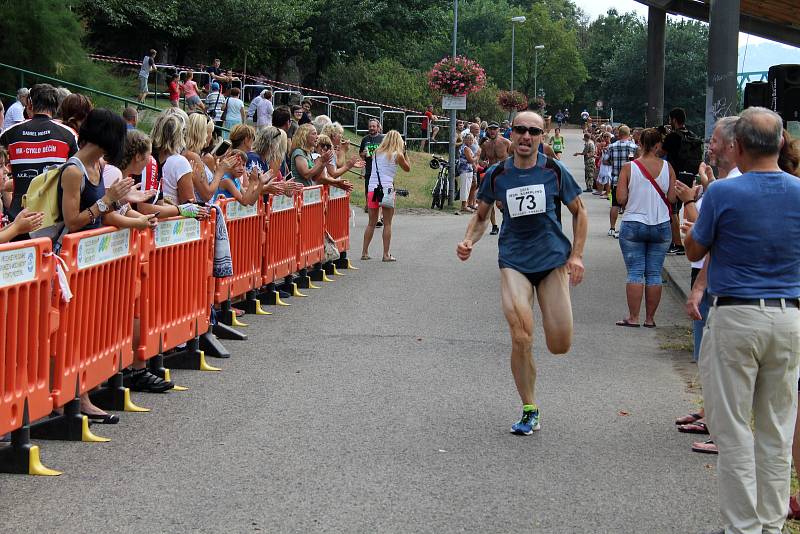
<point x="534" y="253"/>
<point x="494" y="148"/>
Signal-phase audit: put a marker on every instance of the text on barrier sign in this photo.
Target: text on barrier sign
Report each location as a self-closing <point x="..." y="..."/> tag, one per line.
<point x="103" y="248"/>
<point x="282" y="203"/>
<point x="235" y="210"/>
<point x="170" y="233"/>
<point x="335" y="192"/>
<point x="17" y="266"/>
<point x="312" y="196"/>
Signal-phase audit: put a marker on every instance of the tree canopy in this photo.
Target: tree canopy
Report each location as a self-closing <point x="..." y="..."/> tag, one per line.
<point x="378" y="50"/>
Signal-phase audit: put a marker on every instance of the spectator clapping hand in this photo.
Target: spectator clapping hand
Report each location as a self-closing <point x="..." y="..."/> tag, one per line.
<point x="686" y="193"/>
<point x="28" y="221"/>
<point x="120" y="189"/>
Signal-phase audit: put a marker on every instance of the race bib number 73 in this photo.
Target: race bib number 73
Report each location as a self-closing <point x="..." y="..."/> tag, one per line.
<point x="526" y="200"/>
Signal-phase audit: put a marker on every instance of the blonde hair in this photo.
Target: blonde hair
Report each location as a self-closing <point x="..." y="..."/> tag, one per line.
<point x="168" y="134"/>
<point x="270" y="144"/>
<point x="332" y="129"/>
<point x="324" y="139"/>
<point x="300" y="137"/>
<point x="240" y="133"/>
<point x="392" y="144"/>
<point x="197" y="132"/>
<point x="136" y="144"/>
<point x="624" y="131"/>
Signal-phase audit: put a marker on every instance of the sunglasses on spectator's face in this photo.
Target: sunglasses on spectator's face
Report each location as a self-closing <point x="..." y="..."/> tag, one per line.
<point x="325" y="146"/>
<point x="533" y="130"/>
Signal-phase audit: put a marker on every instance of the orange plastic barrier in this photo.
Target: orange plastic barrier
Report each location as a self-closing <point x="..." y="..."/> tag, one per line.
<point x="94" y="338"/>
<point x="27" y="320"/>
<point x="311" y="249"/>
<point x="337" y="216"/>
<point x="247" y="235"/>
<point x="280" y="258"/>
<point x="177" y="284"/>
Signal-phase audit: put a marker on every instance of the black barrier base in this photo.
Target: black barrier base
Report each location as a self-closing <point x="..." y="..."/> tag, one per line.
<point x="156" y="366"/>
<point x="291" y="286"/>
<point x="223" y="331"/>
<point x="271" y="296"/>
<point x="318" y="274"/>
<point x="21" y="457"/>
<point x="71" y="425"/>
<point x="344" y="263"/>
<point x="227" y="316"/>
<point x="211" y="346"/>
<point x="251" y="304"/>
<point x="113" y="396"/>
<point x="190" y="358"/>
<point x="303" y="280"/>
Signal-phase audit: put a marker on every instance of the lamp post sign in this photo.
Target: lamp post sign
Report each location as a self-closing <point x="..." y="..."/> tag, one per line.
<point x="454" y="102"/>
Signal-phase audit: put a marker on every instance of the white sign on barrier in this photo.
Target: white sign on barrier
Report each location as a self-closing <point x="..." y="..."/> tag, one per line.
<point x="336" y="192"/>
<point x="170" y="233"/>
<point x="103" y="248"/>
<point x="235" y="210"/>
<point x="312" y="196"/>
<point x="17" y="266"/>
<point x="282" y="203"/>
<point x="454" y="102"/>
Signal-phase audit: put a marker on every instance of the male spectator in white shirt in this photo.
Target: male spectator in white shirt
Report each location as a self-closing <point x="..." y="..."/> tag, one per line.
<point x="264" y="110"/>
<point x="16" y="111"/>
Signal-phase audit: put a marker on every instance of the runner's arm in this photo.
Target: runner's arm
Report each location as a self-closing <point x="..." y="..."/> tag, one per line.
<point x="580" y="227"/>
<point x="475" y="230"/>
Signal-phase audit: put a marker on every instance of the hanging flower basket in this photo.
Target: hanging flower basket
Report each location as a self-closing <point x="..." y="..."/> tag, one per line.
<point x="458" y="76"/>
<point x="512" y="101"/>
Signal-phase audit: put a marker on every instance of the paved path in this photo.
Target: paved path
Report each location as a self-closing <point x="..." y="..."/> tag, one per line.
<point x="382" y="403"/>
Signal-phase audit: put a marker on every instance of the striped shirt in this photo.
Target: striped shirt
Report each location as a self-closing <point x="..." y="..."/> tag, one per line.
<point x="619" y="154"/>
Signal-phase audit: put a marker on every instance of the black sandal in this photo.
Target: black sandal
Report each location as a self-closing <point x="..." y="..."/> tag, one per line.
<point x="145" y="381"/>
<point x="102" y="418"/>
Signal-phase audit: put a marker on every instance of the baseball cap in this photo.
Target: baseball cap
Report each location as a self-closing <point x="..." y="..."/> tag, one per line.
<point x="493" y="124"/>
<point x="215" y="86"/>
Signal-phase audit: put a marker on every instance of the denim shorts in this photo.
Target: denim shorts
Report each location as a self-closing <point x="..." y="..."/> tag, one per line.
<point x="643" y="248"/>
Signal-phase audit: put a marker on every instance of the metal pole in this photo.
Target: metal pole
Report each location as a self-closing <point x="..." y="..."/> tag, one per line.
<point x="535" y="74"/>
<point x="656" y="46"/>
<point x="451" y="195"/>
<point x="513" y="35"/>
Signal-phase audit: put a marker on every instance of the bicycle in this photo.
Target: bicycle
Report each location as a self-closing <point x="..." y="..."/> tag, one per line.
<point x="441" y="189"/>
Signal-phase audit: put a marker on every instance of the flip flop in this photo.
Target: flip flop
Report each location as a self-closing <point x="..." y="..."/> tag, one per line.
<point x="390" y="258"/>
<point x="652" y="325"/>
<point x="794" y="508"/>
<point x="689" y="419"/>
<point x="694" y="428"/>
<point x="364" y="257"/>
<point x="706" y="447"/>
<point x="625" y="322"/>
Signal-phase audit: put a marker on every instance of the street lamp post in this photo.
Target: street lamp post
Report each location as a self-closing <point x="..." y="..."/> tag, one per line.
<point x="514" y="22"/>
<point x="536" y="71"/>
<point x="451" y="194"/>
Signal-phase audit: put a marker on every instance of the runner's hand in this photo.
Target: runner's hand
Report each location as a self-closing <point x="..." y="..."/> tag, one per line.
<point x="575" y="269"/>
<point x="693" y="305"/>
<point x="464" y="250"/>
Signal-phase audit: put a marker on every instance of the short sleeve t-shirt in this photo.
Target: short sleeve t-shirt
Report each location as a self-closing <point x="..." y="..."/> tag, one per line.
<point x="751" y="226"/>
<point x="299" y="152"/>
<point x="533" y="241"/>
<point x="235" y="106"/>
<point x="190" y="89"/>
<point x="147" y="63"/>
<point x="369" y="144"/>
<point x="174" y="90"/>
<point x="175" y="167"/>
<point x="426" y="120"/>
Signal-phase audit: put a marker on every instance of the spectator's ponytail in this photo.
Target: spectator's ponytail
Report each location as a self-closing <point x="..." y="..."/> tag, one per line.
<point x="789" y="157"/>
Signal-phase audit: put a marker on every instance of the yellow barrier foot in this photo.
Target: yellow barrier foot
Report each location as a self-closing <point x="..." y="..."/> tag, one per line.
<point x="87" y="435"/>
<point x="337" y="272"/>
<point x="350" y="266"/>
<point x="130" y="406"/>
<point x="35" y="466"/>
<point x="168" y="378"/>
<point x="204" y="366"/>
<point x="296" y="292"/>
<point x="260" y="310"/>
<point x="312" y="286"/>
<point x="325" y="277"/>
<point x="235" y="320"/>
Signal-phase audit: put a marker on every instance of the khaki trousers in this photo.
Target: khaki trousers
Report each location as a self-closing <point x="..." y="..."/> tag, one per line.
<point x="749" y="367"/>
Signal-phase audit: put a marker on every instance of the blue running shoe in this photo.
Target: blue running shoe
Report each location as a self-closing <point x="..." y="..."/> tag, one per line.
<point x="528" y="423"/>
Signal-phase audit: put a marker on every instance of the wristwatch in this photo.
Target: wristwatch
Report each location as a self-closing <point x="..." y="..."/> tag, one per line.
<point x="102" y="206"/>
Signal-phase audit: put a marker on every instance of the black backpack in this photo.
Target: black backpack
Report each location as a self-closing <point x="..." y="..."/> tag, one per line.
<point x="690" y="153"/>
<point x="550" y="164"/>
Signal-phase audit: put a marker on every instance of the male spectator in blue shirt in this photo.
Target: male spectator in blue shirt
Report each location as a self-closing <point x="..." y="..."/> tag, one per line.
<point x="750" y="227"/>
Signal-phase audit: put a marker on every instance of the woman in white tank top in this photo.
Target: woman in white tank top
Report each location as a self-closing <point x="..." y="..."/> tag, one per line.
<point x="389" y="155"/>
<point x="646" y="189"/>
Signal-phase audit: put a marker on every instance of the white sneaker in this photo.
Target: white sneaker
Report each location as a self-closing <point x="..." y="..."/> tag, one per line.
<point x="615" y="234"/>
<point x="610" y="232"/>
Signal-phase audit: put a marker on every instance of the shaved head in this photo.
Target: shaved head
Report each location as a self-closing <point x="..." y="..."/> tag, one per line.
<point x="528" y="118"/>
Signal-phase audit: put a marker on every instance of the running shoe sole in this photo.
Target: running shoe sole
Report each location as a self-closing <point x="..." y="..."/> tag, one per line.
<point x="531" y="431"/>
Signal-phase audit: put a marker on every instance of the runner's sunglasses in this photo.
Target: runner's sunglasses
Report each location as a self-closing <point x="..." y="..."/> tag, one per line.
<point x="533" y="130"/>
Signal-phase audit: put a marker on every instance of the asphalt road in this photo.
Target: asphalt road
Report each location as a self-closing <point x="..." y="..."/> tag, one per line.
<point x="382" y="403"/>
